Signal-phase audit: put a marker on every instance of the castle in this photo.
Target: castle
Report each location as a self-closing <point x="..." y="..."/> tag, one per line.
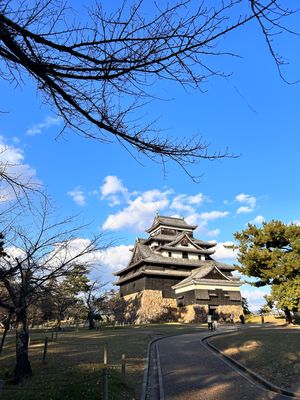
<point x="172" y="276"/>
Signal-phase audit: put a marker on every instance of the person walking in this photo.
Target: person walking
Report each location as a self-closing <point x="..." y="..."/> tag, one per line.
<point x="209" y="322"/>
<point x="214" y="325"/>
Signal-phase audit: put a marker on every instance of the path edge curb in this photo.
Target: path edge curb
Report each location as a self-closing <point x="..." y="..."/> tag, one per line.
<point x="146" y="370"/>
<point x="255" y="376"/>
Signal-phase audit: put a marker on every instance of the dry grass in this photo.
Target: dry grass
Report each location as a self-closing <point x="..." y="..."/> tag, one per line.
<point x="268" y="319"/>
<point x="272" y="353"/>
<point x="74" y="364"/>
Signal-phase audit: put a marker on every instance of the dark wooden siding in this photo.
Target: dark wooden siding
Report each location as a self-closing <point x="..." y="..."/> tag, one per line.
<point x="164" y="284"/>
<point x="136" y="285"/>
<point x="217" y="297"/>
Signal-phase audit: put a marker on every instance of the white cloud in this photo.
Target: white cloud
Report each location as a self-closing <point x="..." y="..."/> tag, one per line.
<point x="213" y="215"/>
<point x="78" y="196"/>
<point x="202" y="225"/>
<point x="115" y="258"/>
<point x="244" y="210"/>
<point x="202" y="219"/>
<point x="140" y="208"/>
<point x="183" y="202"/>
<point x="224" y="252"/>
<point x="140" y="211"/>
<point x="296" y="222"/>
<point x="14" y="252"/>
<point x="213" y="233"/>
<point x="46" y="124"/>
<point x="12" y="164"/>
<point x="111" y="190"/>
<point x="179" y="203"/>
<point x="248" y="200"/>
<point x="66" y="251"/>
<point x="255" y="296"/>
<point x="258" y="220"/>
<point x="197" y="199"/>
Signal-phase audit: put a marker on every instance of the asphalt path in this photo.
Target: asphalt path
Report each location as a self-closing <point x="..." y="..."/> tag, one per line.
<point x="191" y="371"/>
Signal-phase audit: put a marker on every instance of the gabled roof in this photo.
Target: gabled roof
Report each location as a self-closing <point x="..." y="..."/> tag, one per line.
<point x="179" y="239"/>
<point x="196" y="249"/>
<point x="171" y="238"/>
<point x="148" y="256"/>
<point x="200" y="275"/>
<point x="170" y="222"/>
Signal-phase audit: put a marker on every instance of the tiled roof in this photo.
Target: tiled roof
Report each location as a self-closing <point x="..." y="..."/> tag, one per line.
<point x="146" y="271"/>
<point x="150" y="257"/>
<point x="173" y="238"/>
<point x="187" y="249"/>
<point x="170" y="221"/>
<point x="199" y="276"/>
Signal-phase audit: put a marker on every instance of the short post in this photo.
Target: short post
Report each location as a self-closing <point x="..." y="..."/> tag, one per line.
<point x="105" y="372"/>
<point x="105" y="354"/>
<point x="123" y="366"/>
<point x="262" y="319"/>
<point x="45" y="349"/>
<point x="52" y="334"/>
<point x="56" y="333"/>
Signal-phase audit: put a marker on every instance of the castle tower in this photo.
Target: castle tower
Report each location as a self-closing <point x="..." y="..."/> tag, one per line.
<point x="172" y="276"/>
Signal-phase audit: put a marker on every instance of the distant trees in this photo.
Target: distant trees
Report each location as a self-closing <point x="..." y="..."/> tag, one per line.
<point x="94" y="300"/>
<point x="45" y="251"/>
<point x="61" y="298"/>
<point x="245" y="306"/>
<point x="271" y="254"/>
<point x="97" y="73"/>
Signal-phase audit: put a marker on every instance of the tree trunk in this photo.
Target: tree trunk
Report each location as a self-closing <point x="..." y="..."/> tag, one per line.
<point x="288" y="316"/>
<point x="23" y="368"/>
<point x="6" y="329"/>
<point x="91" y="320"/>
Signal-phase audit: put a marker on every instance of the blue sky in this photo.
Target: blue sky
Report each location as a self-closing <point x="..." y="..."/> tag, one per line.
<point x="252" y="112"/>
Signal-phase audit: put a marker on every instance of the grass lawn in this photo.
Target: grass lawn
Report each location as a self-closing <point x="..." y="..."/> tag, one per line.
<point x="74" y="365"/>
<point x="272" y="353"/>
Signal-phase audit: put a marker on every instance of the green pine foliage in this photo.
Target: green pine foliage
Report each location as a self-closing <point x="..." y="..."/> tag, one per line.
<point x="271" y="254"/>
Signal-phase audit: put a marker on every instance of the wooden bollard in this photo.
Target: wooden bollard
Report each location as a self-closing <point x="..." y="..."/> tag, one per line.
<point x="56" y="333"/>
<point x="123" y="368"/>
<point x="105" y="372"/>
<point x="105" y="354"/>
<point x="45" y="349"/>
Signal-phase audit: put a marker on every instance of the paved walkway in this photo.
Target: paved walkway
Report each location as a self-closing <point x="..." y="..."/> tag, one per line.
<point x="190" y="371"/>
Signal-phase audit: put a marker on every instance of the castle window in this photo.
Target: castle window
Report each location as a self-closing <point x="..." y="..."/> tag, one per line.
<point x="185" y="255"/>
<point x="170" y="254"/>
<point x="180" y="301"/>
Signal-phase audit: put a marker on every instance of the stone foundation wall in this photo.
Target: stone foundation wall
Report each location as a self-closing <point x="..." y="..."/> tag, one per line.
<point x="149" y="306"/>
<point x="228" y="310"/>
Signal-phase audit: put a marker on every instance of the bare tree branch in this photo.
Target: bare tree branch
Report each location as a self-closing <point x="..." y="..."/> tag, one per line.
<point x="96" y="74"/>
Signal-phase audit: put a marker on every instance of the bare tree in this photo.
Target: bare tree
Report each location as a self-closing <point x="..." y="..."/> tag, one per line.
<point x="35" y="254"/>
<point x="97" y="74"/>
<point x="94" y="300"/>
